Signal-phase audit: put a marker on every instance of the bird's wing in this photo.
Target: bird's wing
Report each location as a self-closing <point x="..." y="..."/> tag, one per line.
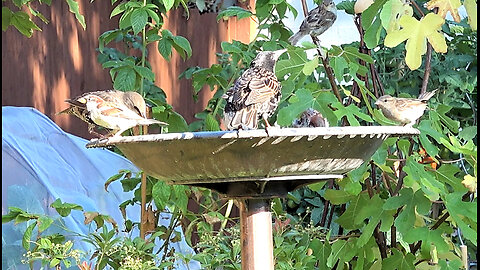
<point x="262" y="88"/>
<point x="117" y="110"/>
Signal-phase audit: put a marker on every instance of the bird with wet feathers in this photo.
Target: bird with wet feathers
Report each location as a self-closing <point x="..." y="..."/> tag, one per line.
<point x="255" y="94"/>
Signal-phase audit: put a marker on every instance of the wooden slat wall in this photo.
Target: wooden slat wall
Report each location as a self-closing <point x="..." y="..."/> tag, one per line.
<point x="61" y="61"/>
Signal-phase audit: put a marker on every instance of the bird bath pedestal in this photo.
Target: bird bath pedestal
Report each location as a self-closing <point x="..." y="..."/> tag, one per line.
<point x="254" y="166"/>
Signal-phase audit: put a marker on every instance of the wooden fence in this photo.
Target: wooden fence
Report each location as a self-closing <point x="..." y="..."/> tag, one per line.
<point x="61" y="61"/>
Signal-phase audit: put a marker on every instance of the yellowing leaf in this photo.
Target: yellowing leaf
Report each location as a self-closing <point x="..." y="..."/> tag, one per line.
<point x="470" y="182"/>
<point x="417" y="33"/>
<point x="444" y="6"/>
<point x="471" y="8"/>
<point x="391" y="13"/>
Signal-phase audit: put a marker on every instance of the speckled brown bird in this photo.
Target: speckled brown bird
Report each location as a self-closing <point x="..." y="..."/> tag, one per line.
<point x="318" y="20"/>
<point x="404" y="110"/>
<point x="310" y="118"/>
<point x="255" y="94"/>
<point x="78" y="107"/>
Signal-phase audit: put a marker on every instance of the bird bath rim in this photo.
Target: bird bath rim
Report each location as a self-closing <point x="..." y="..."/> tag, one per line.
<point x="254" y="163"/>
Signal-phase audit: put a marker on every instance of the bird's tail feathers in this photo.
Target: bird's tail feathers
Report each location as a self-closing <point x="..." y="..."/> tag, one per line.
<point x="244" y="119"/>
<point x="296" y="37"/>
<point x="146" y="122"/>
<point x="427" y="95"/>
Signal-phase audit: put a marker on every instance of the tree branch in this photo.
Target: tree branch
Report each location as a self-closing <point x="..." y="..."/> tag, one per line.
<point x="328" y="69"/>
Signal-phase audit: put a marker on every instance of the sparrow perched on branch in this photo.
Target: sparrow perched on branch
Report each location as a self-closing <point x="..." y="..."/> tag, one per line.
<point x="318" y="20"/>
<point x="404" y="110"/>
<point x="131" y="101"/>
<point x="310" y="118"/>
<point x="255" y="94"/>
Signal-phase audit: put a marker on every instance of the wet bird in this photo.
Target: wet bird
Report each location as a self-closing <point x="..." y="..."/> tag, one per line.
<point x="255" y="94"/>
<point x="310" y="118"/>
<point x="318" y="20"/>
<point x="125" y="101"/>
<point x="404" y="110"/>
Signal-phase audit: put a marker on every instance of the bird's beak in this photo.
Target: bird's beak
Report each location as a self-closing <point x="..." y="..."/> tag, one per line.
<point x="377" y="102"/>
<point x="82" y="100"/>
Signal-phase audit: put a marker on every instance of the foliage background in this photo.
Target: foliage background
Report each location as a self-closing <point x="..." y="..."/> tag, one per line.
<point x="413" y="206"/>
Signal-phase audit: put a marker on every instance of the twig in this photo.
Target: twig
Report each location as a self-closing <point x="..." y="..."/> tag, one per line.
<point x="327" y="67"/>
<point x="428" y="68"/>
<point x="386" y="182"/>
<point x="437" y="224"/>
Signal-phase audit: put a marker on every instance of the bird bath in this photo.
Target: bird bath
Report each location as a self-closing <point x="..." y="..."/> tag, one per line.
<point x="254" y="166"/>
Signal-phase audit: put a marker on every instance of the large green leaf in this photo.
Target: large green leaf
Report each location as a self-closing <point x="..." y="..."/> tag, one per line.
<point x="373" y="211"/>
<point x="463" y="213"/>
<point x="411" y="202"/>
<point x="416" y="174"/>
<point x="73" y="7"/>
<point x="398" y="261"/>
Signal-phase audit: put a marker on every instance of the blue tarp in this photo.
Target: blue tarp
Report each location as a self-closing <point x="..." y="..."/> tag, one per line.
<point x="40" y="163"/>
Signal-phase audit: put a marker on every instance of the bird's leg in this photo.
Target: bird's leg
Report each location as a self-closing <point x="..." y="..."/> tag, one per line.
<point x="91" y="130"/>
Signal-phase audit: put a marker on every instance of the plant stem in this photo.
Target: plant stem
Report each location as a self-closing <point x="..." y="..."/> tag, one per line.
<point x="325" y="64"/>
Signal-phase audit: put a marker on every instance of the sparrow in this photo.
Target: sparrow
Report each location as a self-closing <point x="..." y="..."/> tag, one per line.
<point x="132" y="100"/>
<point x="310" y="118"/>
<point x="114" y="115"/>
<point x="318" y="20"/>
<point x="404" y="110"/>
<point x="255" y="94"/>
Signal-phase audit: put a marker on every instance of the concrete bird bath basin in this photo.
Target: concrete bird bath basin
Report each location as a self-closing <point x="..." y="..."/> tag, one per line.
<point x="254" y="166"/>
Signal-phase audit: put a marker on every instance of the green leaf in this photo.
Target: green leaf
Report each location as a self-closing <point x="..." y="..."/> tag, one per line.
<point x="183" y="44"/>
<point x="447" y="174"/>
<point x="371" y="12"/>
<point x="347" y="219"/>
<point x="161" y="194"/>
<point x="23" y="23"/>
<point x="64" y="209"/>
<point x="304" y="101"/>
<point x="310" y="66"/>
<point x="233" y="11"/>
<point x="73" y="7"/>
<point x="351" y="112"/>
<point x="412" y="202"/>
<point x="397" y="261"/>
<point x="338" y="196"/>
<point x="43" y="223"/>
<point x="138" y="20"/>
<point x="211" y="124"/>
<point x="145" y="72"/>
<point x="168" y="4"/>
<point x="416" y="174"/>
<point x="339" y="64"/>
<point x="441" y="113"/>
<point x="372" y="34"/>
<point x="6" y="18"/>
<point x="373" y="211"/>
<point x="27" y="236"/>
<point x="125" y="79"/>
<point x="428" y="238"/>
<point x="165" y="48"/>
<point x="461" y="212"/>
<point x="321" y="251"/>
<point x="468" y="133"/>
<point x="293" y="66"/>
<point x="426" y="129"/>
<point x="118" y="9"/>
